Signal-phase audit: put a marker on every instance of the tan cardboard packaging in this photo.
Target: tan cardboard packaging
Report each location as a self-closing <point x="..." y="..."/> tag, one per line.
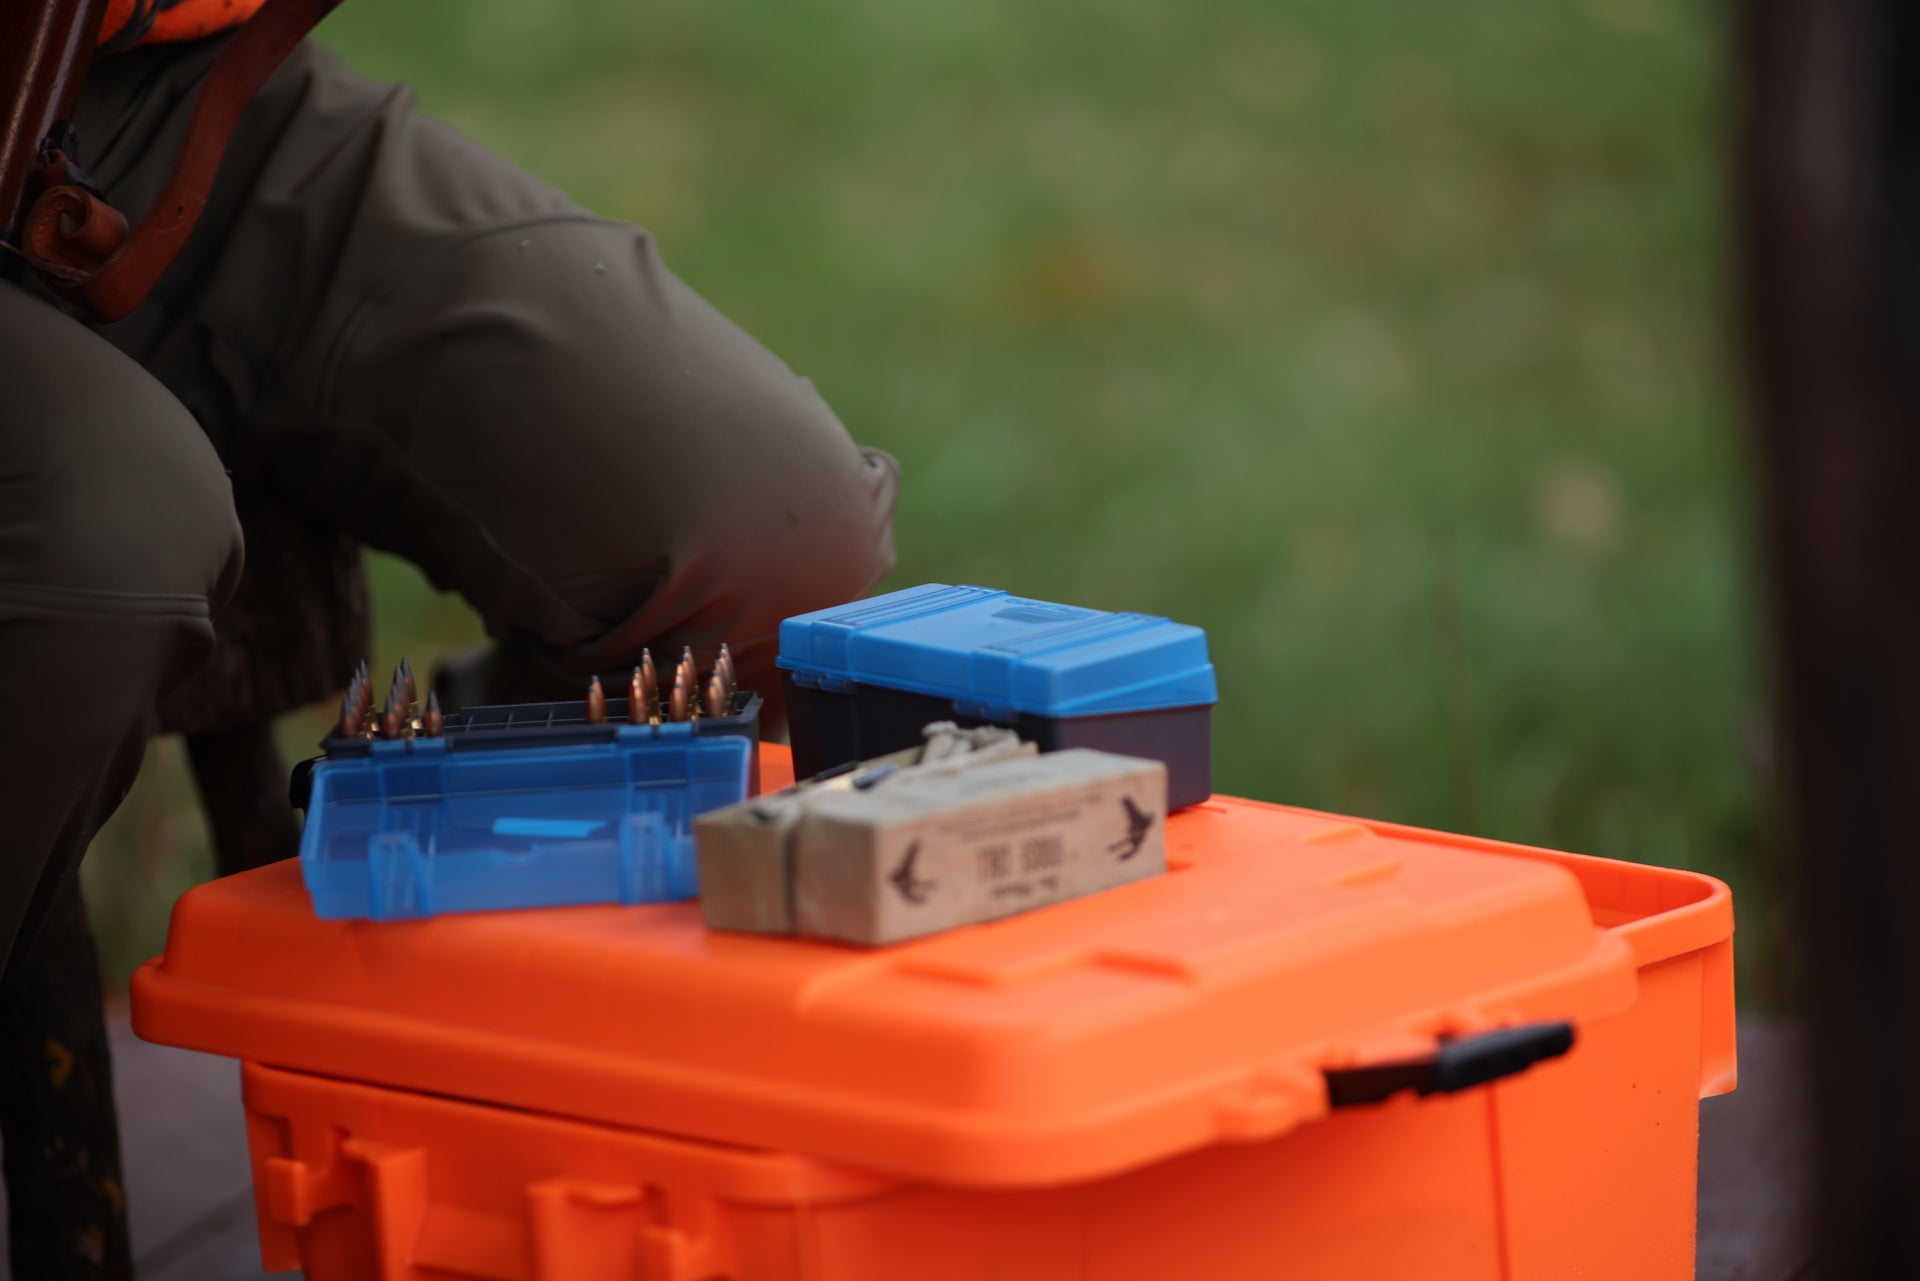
<point x="745" y="851"/>
<point x="929" y="849"/>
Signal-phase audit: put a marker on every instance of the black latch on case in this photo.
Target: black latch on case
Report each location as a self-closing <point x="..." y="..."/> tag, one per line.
<point x="1455" y="1065"/>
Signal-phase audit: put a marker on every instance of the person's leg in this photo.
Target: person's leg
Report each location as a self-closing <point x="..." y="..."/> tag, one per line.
<point x="117" y="542"/>
<point x="639" y="471"/>
<point x="413" y="339"/>
<point x="66" y="1205"/>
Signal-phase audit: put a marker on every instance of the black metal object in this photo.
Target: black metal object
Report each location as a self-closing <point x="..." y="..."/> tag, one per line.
<point x="45" y="49"/>
<point x="1830" y="193"/>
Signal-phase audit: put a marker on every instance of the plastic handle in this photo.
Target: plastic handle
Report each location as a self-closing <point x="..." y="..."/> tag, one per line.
<point x="1455" y="1065"/>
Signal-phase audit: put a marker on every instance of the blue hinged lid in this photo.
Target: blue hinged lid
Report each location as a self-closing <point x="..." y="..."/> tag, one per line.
<point x="994" y="653"/>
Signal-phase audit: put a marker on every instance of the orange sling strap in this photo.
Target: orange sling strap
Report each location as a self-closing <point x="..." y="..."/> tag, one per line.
<point x="80" y="244"/>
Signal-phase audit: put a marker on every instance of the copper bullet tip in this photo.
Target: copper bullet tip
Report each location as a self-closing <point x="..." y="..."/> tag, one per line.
<point x="680" y="702"/>
<point x="391" y="719"/>
<point x="649" y="687"/>
<point x="716" y="696"/>
<point x="349" y="715"/>
<point x="636" y="699"/>
<point x="596" y="703"/>
<point x="435" y="721"/>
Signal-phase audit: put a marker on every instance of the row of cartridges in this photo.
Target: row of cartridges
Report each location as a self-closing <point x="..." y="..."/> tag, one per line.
<point x="684" y="698"/>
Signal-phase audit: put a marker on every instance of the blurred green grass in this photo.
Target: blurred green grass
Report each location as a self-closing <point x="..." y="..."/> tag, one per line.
<point x="1386" y="341"/>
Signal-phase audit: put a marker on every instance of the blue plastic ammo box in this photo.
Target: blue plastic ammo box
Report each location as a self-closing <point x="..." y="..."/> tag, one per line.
<point x="862" y="679"/>
<point x="404" y="829"/>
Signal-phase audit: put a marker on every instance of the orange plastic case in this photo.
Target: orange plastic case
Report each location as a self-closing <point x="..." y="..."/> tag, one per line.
<point x="1125" y="1087"/>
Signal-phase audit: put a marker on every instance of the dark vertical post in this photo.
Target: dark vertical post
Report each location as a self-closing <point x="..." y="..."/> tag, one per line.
<point x="1829" y="167"/>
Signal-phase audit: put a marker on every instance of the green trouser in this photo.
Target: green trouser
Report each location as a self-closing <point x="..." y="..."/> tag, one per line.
<point x="391" y="331"/>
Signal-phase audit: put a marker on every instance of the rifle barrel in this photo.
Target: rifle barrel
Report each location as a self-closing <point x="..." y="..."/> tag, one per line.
<point x="45" y="49"/>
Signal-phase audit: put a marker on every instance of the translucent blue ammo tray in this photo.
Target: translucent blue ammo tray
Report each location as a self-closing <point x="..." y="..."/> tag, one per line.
<point x="515" y="807"/>
<point x="863" y="678"/>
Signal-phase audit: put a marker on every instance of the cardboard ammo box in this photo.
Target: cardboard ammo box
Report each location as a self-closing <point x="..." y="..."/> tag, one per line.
<point x="925" y="848"/>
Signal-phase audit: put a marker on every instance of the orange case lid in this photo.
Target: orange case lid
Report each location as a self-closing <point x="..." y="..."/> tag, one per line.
<point x="1066" y="1043"/>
